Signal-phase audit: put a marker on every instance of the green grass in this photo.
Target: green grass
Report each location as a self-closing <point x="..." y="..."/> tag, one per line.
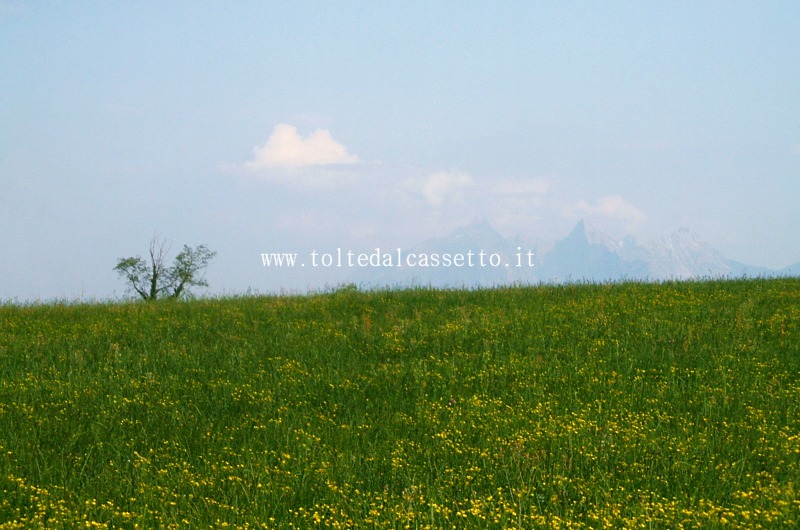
<point x="584" y="406"/>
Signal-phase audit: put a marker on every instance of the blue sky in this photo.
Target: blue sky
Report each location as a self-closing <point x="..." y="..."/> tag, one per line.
<point x="287" y="126"/>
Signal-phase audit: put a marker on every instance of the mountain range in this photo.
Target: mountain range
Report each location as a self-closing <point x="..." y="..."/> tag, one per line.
<point x="490" y="259"/>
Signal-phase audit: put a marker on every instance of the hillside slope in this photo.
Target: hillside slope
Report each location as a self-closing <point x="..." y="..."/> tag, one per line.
<point x="626" y="405"/>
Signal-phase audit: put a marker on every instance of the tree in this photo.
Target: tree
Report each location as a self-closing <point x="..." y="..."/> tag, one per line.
<point x="153" y="280"/>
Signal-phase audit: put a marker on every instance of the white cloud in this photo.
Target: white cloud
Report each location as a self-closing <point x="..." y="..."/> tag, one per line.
<point x="442" y="184"/>
<point x="286" y="149"/>
<point x="289" y="160"/>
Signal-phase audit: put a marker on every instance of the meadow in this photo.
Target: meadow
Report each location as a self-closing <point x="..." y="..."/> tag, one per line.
<point x="630" y="405"/>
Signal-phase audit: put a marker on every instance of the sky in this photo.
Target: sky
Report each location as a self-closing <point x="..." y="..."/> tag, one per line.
<point x="256" y="127"/>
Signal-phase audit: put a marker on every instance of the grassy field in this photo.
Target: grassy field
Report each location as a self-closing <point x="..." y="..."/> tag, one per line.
<point x="585" y="406"/>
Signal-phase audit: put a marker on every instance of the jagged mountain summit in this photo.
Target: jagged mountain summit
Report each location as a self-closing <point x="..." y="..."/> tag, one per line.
<point x="583" y="255"/>
<point x="684" y="255"/>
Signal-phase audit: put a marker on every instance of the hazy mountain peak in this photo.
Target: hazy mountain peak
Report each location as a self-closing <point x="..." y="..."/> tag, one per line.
<point x="683" y="254"/>
<point x="585" y="231"/>
<point x="579" y="229"/>
<point x="584" y="254"/>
